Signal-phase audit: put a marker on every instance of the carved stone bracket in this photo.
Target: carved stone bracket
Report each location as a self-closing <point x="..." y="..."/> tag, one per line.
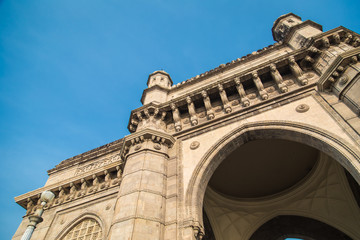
<point x="297" y="71"/>
<point x="207" y="103"/>
<point x="192" y="112"/>
<point x="278" y="78"/>
<point x="224" y="99"/>
<point x="239" y="87"/>
<point x="260" y="87"/>
<point x="176" y="117"/>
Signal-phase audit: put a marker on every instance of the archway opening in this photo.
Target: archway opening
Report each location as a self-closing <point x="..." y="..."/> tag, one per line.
<point x="264" y="178"/>
<point x="261" y="168"/>
<point x="296" y="227"/>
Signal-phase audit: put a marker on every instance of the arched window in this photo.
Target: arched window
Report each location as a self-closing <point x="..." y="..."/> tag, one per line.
<point x="86" y="229"/>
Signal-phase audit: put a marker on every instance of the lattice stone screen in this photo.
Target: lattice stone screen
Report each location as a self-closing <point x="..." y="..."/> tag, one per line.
<point x="87" y="229"/>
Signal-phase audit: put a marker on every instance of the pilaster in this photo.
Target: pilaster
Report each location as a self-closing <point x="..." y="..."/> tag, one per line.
<point x="141" y="204"/>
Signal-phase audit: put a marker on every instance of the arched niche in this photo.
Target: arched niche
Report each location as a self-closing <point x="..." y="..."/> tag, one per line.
<point x="342" y="151"/>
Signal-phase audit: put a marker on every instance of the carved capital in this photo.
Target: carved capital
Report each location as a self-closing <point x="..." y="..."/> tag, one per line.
<point x="147" y="117"/>
<point x="147" y="139"/>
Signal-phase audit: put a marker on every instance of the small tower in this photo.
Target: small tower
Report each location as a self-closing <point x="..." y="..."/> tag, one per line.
<point x="290" y="29"/>
<point x="159" y="83"/>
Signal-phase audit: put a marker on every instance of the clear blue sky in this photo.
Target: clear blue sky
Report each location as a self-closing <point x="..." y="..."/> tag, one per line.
<point x="71" y="71"/>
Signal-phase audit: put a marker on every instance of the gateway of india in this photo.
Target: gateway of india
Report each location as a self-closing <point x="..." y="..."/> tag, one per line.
<point x="265" y="147"/>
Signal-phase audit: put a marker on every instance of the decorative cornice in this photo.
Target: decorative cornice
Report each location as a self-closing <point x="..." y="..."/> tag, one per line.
<point x="252" y="56"/>
<point x="158" y="137"/>
<point x="229" y="65"/>
<point x="329" y="77"/>
<point x="80" y="183"/>
<point x="86" y="156"/>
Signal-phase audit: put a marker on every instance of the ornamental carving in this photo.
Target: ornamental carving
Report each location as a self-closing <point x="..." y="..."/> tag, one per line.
<point x="194" y="145"/>
<point x="160" y="141"/>
<point x="97" y="164"/>
<point x="157" y="146"/>
<point x="302" y="108"/>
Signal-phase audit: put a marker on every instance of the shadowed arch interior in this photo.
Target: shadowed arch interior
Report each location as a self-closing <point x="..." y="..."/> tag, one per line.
<point x="282" y="227"/>
<point x="321" y="140"/>
<point x="263" y="167"/>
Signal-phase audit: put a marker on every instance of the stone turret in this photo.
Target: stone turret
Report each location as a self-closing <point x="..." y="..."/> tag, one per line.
<point x="159" y="83"/>
<point x="291" y="29"/>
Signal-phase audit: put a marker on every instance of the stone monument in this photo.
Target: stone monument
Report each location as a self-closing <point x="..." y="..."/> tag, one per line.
<point x="266" y="146"/>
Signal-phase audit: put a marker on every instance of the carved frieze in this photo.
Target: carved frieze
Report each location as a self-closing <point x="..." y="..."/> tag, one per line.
<point x="97" y="164"/>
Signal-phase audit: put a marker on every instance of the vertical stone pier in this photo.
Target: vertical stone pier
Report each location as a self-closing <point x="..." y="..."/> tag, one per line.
<point x="141" y="204"/>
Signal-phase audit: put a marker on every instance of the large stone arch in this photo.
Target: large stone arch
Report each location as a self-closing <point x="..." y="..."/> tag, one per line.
<point x="342" y="151"/>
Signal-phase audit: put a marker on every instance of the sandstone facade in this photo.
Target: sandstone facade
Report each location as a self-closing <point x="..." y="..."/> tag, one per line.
<point x="269" y="139"/>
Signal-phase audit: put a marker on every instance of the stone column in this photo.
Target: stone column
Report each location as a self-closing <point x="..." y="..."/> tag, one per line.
<point x="140" y="208"/>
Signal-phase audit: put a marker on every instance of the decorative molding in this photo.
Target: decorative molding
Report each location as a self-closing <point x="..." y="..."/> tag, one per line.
<point x="75" y="189"/>
<point x="89" y="155"/>
<point x="341" y="62"/>
<point x="97" y="164"/>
